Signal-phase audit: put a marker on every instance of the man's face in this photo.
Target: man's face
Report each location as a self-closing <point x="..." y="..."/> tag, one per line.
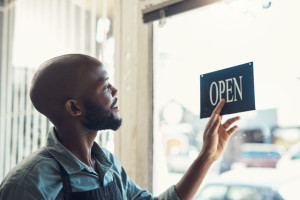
<point x="100" y="104"/>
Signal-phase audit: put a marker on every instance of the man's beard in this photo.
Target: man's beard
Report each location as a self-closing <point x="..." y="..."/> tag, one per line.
<point x="98" y="118"/>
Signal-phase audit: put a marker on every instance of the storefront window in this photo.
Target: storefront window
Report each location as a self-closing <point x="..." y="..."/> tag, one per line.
<point x="31" y="32"/>
<point x="212" y="38"/>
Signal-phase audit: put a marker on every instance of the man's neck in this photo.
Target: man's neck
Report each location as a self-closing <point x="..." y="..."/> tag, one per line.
<point x="79" y="143"/>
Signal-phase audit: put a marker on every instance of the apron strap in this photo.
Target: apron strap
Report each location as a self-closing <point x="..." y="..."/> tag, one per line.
<point x="67" y="189"/>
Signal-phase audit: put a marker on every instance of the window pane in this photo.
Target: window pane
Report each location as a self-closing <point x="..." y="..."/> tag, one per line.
<point x="31" y="32"/>
<point x="212" y="38"/>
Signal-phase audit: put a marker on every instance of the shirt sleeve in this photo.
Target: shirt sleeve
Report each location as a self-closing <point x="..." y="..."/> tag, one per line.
<point x="169" y="194"/>
<point x="13" y="191"/>
<point x="135" y="192"/>
<point x="131" y="190"/>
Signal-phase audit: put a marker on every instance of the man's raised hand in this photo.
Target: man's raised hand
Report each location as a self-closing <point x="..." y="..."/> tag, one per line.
<point x="217" y="135"/>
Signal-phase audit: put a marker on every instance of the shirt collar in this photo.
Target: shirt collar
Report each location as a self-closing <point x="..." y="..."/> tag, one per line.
<point x="70" y="163"/>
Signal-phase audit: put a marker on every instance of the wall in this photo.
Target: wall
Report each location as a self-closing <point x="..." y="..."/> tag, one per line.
<point x="134" y="79"/>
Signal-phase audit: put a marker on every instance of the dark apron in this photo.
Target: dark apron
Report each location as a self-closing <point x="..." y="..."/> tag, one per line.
<point x="109" y="192"/>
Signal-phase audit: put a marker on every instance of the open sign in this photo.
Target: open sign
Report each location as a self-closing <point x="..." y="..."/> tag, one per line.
<point x="234" y="84"/>
<point x="228" y="88"/>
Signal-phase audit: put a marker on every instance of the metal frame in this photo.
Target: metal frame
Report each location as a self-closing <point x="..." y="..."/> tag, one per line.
<point x="169" y="8"/>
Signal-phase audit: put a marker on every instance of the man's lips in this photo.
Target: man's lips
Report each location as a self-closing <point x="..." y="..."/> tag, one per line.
<point x="116" y="109"/>
<point x="114" y="104"/>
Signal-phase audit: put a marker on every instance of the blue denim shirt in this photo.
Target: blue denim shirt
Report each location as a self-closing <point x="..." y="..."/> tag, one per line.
<point x="38" y="176"/>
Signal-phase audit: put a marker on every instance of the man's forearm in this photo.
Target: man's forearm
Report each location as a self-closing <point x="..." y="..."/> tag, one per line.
<point x="215" y="138"/>
<point x="187" y="187"/>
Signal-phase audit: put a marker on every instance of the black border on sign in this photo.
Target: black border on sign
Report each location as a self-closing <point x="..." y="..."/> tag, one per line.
<point x="238" y="109"/>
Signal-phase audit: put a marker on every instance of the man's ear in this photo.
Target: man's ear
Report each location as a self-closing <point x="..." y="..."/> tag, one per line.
<point x="73" y="107"/>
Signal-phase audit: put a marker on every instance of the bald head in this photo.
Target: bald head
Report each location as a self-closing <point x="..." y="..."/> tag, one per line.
<point x="59" y="79"/>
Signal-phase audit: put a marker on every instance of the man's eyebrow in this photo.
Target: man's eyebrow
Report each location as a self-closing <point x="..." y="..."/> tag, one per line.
<point x="103" y="80"/>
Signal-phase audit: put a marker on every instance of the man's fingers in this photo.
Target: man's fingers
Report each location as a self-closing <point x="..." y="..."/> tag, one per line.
<point x="216" y="123"/>
<point x="231" y="121"/>
<point x="217" y="110"/>
<point x="219" y="107"/>
<point x="232" y="130"/>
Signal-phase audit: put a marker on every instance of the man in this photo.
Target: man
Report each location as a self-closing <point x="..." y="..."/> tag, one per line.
<point x="73" y="91"/>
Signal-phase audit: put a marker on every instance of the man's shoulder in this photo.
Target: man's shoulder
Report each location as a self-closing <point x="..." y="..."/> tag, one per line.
<point x="30" y="170"/>
<point x="115" y="162"/>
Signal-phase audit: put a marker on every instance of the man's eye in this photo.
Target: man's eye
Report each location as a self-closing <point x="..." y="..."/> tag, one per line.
<point x="107" y="87"/>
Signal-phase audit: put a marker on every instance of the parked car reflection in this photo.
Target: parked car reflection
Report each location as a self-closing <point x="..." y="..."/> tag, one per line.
<point x="259" y="155"/>
<point x="251" y="184"/>
<point x="291" y="159"/>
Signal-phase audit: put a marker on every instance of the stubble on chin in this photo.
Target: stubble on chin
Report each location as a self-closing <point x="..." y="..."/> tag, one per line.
<point x="98" y="118"/>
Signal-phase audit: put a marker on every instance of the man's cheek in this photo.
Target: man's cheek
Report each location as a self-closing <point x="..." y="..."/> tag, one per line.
<point x="108" y="102"/>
